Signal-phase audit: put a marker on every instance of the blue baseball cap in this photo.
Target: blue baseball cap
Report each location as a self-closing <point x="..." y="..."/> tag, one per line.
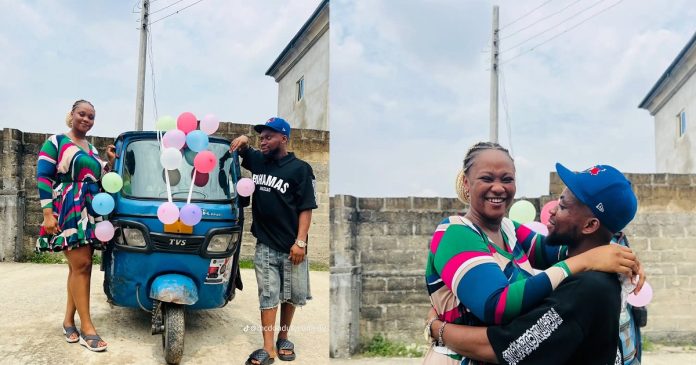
<point x="276" y="124"/>
<point x="606" y="191"/>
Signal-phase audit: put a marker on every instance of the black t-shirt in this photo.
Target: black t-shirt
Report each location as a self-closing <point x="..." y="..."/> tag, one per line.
<point x="577" y="324"/>
<point x="284" y="188"/>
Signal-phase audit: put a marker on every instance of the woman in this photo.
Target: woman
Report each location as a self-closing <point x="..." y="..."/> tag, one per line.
<point x="68" y="172"/>
<point x="480" y="266"/>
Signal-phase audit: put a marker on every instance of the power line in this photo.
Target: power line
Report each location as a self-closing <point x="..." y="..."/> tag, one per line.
<point x="563" y="32"/>
<point x="554" y="26"/>
<point x="507" y="113"/>
<point x="540" y="20"/>
<point x="137" y="3"/>
<point x="529" y="12"/>
<point x="168" y="6"/>
<point x="176" y="12"/>
<point x="152" y="74"/>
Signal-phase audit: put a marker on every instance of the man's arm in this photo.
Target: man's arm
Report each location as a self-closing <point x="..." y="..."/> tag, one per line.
<point x="297" y="253"/>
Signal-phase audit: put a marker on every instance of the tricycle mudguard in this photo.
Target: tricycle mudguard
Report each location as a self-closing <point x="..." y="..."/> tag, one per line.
<point x="174" y="288"/>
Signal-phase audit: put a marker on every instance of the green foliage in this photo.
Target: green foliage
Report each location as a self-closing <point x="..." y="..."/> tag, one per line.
<point x="313" y="266"/>
<point x="379" y="346"/>
<point x="246" y="264"/>
<point x="647" y="345"/>
<point x="46" y="258"/>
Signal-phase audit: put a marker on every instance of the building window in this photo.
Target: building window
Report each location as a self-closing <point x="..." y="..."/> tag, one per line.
<point x="300" y="88"/>
<point x="681" y="120"/>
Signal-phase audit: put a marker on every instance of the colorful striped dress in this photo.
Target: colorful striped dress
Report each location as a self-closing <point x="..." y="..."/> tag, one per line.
<point x="68" y="178"/>
<point x="472" y="281"/>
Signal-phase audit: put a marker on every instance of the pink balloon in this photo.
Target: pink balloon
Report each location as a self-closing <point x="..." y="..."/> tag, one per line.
<point x="205" y="161"/>
<point x="546" y="211"/>
<point x="643" y="297"/>
<point x="168" y="213"/>
<point x="210" y="124"/>
<point x="245" y="186"/>
<point x="538" y="227"/>
<point x="186" y="122"/>
<point x="104" y="231"/>
<point x="174" y="138"/>
<point x="191" y="214"/>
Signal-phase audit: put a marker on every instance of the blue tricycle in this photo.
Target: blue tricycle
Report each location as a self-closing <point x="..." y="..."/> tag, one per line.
<point x="167" y="268"/>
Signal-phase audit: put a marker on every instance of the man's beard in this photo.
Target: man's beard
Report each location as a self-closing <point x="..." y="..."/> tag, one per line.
<point x="569" y="239"/>
<point x="272" y="153"/>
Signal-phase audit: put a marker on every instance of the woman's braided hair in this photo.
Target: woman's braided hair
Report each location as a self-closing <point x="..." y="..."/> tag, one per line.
<point x="471" y="155"/>
<point x="68" y="118"/>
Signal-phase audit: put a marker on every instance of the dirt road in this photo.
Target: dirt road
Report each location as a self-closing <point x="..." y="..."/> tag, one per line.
<point x="33" y="303"/>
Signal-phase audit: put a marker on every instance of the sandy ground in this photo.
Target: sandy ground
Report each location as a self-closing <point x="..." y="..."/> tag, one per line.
<point x="33" y="303"/>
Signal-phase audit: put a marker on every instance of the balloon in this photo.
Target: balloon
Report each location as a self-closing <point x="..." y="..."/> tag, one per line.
<point x="643" y="297"/>
<point x="245" y="186"/>
<point x="170" y="158"/>
<point x="546" y="211"/>
<point x="189" y="156"/>
<point x="168" y="213"/>
<point x="522" y="212"/>
<point x="201" y="179"/>
<point x="186" y="122"/>
<point x="205" y="162"/>
<point x="190" y="214"/>
<point x="210" y="124"/>
<point x="112" y="182"/>
<point x="104" y="231"/>
<point x="538" y="227"/>
<point x="174" y="138"/>
<point x="197" y="141"/>
<point x="174" y="177"/>
<point x="166" y="123"/>
<point x="103" y="203"/>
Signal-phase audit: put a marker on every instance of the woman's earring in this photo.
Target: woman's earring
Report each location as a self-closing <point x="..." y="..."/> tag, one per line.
<point x="466" y="194"/>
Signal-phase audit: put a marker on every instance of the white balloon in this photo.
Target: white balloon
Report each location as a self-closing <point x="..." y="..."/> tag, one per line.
<point x="170" y="158"/>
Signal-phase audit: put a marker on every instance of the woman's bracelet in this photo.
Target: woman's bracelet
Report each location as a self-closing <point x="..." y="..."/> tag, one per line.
<point x="428" y="330"/>
<point x="440" y="340"/>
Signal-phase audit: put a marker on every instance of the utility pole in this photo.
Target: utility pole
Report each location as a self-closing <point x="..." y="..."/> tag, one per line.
<point x="140" y="97"/>
<point x="495" y="46"/>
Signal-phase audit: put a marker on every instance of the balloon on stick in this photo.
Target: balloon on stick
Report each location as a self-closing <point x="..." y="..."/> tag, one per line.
<point x="210" y="124"/>
<point x="190" y="214"/>
<point x="522" y="212"/>
<point x="201" y="179"/>
<point x="174" y="138"/>
<point x="245" y="186"/>
<point x="103" y="203"/>
<point x="538" y="227"/>
<point x="643" y="297"/>
<point x="186" y="122"/>
<point x="546" y="211"/>
<point x="168" y="213"/>
<point x="205" y="162"/>
<point x="197" y="141"/>
<point x="104" y="231"/>
<point x="170" y="158"/>
<point x="112" y="182"/>
<point x="165" y="123"/>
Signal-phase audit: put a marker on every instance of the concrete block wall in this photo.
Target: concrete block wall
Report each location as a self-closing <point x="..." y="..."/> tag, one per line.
<point x="20" y="210"/>
<point x="388" y="239"/>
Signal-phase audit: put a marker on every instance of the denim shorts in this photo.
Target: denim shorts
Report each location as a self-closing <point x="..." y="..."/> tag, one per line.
<point x="279" y="281"/>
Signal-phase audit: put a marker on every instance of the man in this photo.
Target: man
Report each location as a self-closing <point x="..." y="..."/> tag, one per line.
<point x="579" y="322"/>
<point x="282" y="206"/>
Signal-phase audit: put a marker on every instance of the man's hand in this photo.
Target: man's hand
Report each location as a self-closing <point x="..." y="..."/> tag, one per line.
<point x="297" y="254"/>
<point x="240" y="142"/>
<point x="111" y="154"/>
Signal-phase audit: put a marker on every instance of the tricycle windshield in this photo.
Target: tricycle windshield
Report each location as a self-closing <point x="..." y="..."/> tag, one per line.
<point x="143" y="174"/>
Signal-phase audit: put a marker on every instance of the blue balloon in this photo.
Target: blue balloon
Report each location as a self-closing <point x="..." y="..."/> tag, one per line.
<point x="103" y="203"/>
<point x="197" y="140"/>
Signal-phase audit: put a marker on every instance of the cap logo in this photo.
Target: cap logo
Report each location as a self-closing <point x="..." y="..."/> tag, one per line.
<point x="600" y="207"/>
<point x="594" y="171"/>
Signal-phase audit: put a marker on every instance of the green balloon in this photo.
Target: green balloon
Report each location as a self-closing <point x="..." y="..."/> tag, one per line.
<point x="165" y="123"/>
<point x="112" y="182"/>
<point x="522" y="212"/>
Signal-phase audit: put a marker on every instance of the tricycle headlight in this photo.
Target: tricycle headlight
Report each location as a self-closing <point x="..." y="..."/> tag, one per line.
<point x="134" y="237"/>
<point x="222" y="242"/>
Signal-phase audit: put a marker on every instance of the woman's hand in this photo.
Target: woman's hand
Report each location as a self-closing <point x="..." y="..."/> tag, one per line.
<point x="612" y="258"/>
<point x="50" y="224"/>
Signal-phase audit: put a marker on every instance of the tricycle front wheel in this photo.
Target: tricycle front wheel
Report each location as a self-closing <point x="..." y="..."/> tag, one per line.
<point x="173" y="335"/>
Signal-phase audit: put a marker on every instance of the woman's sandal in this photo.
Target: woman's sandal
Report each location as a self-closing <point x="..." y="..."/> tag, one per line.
<point x="69" y="331"/>
<point x="285" y="344"/>
<point x="91" y="342"/>
<point x="261" y="357"/>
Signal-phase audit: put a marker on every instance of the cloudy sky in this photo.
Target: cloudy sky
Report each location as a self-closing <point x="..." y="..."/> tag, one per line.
<point x="209" y="58"/>
<point x="410" y="88"/>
